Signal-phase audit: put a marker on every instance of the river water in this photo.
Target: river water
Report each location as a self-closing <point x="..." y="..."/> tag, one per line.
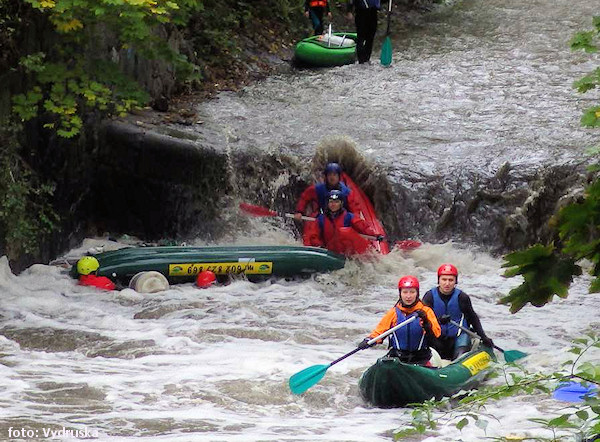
<point x="470" y="88"/>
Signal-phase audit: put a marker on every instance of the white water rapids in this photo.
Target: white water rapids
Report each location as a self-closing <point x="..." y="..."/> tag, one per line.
<point x="196" y="365"/>
<point x="486" y="83"/>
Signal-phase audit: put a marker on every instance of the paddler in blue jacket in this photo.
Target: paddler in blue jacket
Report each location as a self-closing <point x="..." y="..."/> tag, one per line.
<point x="450" y="303"/>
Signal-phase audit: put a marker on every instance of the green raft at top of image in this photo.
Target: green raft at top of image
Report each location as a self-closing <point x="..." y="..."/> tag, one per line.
<point x="391" y="383"/>
<point x="324" y="50"/>
<point x="183" y="263"/>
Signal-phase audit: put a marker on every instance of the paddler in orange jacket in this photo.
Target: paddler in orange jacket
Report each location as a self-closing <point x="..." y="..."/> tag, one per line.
<point x="315" y="9"/>
<point x="328" y="225"/>
<point x="411" y="343"/>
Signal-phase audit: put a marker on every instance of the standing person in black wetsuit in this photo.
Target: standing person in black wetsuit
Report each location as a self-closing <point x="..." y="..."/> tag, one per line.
<point x="451" y="303"/>
<point x="315" y="10"/>
<point x="365" y="19"/>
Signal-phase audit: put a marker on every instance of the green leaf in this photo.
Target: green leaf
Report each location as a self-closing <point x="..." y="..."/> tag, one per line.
<point x="546" y="273"/>
<point x="595" y="286"/>
<point x="583" y="41"/>
<point x="590" y="117"/>
<point x="560" y="422"/>
<point x="462" y="423"/>
<point x="582" y="414"/>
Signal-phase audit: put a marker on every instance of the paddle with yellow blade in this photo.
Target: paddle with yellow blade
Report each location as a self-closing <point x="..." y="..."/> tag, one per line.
<point x="386" y="49"/>
<point x="303" y="380"/>
<point x="509" y="355"/>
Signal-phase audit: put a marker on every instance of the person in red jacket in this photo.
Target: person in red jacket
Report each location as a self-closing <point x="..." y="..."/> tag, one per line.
<point x="330" y="223"/>
<point x="87" y="268"/>
<point x="315" y="9"/>
<point x="411" y="343"/>
<point x="314" y="199"/>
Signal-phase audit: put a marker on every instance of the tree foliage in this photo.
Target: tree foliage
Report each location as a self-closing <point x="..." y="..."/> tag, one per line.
<point x="546" y="273"/>
<point x="549" y="270"/>
<point x="68" y="79"/>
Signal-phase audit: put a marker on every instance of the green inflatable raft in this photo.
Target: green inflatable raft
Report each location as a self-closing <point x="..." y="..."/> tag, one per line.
<point x="326" y="50"/>
<point x="391" y="383"/>
<point x="183" y="263"/>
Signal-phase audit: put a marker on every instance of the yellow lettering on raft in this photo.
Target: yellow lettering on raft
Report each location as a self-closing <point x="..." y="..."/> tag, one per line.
<point x="222" y="268"/>
<point x="477" y="362"/>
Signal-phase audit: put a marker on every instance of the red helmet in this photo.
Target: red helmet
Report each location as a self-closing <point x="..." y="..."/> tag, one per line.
<point x="448" y="269"/>
<point x="408" y="282"/>
<point x="205" y="279"/>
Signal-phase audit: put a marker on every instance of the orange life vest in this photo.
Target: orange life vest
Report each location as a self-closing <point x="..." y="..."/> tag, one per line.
<point x="317" y="3"/>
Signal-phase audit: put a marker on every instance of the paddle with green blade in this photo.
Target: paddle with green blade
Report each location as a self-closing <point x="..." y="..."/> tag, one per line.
<point x="386" y="49"/>
<point x="303" y="380"/>
<point x="509" y="355"/>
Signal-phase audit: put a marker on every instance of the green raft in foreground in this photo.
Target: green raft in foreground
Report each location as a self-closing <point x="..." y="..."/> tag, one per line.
<point x="327" y="50"/>
<point x="182" y="264"/>
<point x="391" y="383"/>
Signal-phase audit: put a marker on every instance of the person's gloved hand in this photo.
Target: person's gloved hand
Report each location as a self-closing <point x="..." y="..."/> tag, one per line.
<point x="380" y="238"/>
<point x="424" y="321"/>
<point x="444" y="319"/>
<point x="487" y="342"/>
<point x="365" y="344"/>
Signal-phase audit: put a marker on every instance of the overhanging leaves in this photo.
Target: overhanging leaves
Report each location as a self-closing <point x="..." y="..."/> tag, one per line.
<point x="546" y="273"/>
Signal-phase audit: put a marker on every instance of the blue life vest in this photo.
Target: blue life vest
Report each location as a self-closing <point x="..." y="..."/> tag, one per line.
<point x="410" y="337"/>
<point x="323" y="194"/>
<point x="453" y="309"/>
<point x="347" y="221"/>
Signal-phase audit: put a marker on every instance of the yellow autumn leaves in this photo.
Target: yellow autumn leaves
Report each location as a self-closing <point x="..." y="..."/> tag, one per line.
<point x="72" y="15"/>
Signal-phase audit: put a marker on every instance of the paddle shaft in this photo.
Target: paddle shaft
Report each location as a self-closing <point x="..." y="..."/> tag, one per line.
<point x="472" y="334"/>
<point x="310" y="218"/>
<point x="389" y="15"/>
<point x="377" y="338"/>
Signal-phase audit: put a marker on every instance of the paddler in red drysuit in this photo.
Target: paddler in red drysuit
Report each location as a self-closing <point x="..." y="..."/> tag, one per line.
<point x="330" y="223"/>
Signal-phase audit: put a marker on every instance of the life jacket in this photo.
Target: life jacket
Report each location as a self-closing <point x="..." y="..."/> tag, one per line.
<point x="317" y="3"/>
<point x="411" y="337"/>
<point x="440" y="308"/>
<point x="100" y="282"/>
<point x="327" y="230"/>
<point x="323" y="194"/>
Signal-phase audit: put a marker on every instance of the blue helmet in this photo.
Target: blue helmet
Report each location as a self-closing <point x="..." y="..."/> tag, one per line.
<point x="335" y="195"/>
<point x="333" y="168"/>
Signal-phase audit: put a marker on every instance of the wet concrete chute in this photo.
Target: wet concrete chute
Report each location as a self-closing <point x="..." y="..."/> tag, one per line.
<point x="467" y="142"/>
